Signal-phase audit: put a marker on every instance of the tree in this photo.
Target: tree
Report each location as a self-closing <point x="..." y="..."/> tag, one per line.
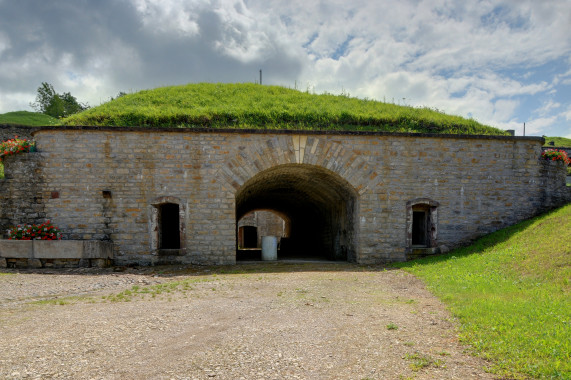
<point x="56" y="105"/>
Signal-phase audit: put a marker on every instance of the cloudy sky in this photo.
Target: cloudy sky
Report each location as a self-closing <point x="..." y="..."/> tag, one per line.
<point x="501" y="62"/>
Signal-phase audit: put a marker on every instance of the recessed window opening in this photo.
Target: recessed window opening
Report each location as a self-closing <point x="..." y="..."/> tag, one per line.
<point x="248" y="237"/>
<point x="169" y="227"/>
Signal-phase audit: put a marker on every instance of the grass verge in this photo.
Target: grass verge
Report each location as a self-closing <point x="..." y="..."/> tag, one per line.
<point x="511" y="292"/>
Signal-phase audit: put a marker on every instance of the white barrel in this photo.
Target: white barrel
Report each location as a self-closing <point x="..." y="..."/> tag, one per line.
<point x="269" y="248"/>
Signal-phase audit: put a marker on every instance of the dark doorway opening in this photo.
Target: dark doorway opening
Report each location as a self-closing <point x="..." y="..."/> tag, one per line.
<point x="169" y="237"/>
<point x="419" y="228"/>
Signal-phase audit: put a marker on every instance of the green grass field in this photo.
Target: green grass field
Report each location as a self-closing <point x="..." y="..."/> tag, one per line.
<point x="511" y="292"/>
<point x="27" y="118"/>
<point x="253" y="106"/>
<point x="560" y="142"/>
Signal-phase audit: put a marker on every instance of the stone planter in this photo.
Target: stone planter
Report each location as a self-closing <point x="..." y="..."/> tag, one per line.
<point x="55" y="253"/>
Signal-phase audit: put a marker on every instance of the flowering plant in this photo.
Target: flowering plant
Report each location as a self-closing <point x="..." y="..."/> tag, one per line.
<point x="556" y="155"/>
<point x="16" y="145"/>
<point x="44" y="231"/>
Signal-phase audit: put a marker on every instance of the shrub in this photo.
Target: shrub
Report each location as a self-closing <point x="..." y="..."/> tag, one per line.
<point x="44" y="231"/>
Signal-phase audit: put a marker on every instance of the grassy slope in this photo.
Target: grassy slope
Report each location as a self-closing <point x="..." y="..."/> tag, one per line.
<point x="560" y="142"/>
<point x="255" y="106"/>
<point x="27" y="118"/>
<point x="511" y="292"/>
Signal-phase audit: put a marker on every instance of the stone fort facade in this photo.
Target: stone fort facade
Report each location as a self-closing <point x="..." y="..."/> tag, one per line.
<point x="179" y="195"/>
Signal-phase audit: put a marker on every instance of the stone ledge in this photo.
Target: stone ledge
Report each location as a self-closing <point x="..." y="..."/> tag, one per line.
<point x="84" y="251"/>
<point x="420" y="252"/>
<point x="270" y="131"/>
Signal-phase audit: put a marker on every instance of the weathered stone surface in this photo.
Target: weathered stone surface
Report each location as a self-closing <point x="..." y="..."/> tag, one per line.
<point x="3" y="263"/>
<point x="8" y="132"/>
<point x="99" y="263"/>
<point x="58" y="253"/>
<point x="16" y="249"/>
<point x="58" y="249"/>
<point x="97" y="249"/>
<point x="34" y="263"/>
<point x="349" y="191"/>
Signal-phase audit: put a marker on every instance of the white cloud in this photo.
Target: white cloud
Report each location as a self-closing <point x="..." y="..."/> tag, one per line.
<point x="456" y="56"/>
<point x="547" y="107"/>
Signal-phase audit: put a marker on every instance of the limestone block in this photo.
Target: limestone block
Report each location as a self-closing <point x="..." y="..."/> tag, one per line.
<point x="3" y="263"/>
<point x="97" y="249"/>
<point x="58" y="249"/>
<point x="444" y="249"/>
<point x="16" y="249"/>
<point x="34" y="263"/>
<point x="99" y="263"/>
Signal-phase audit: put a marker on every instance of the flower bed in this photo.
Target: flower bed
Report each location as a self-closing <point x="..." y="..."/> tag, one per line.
<point x="556" y="155"/>
<point x="14" y="146"/>
<point x="44" y="231"/>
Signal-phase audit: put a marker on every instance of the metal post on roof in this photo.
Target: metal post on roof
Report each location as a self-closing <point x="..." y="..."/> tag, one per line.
<point x="524" y="129"/>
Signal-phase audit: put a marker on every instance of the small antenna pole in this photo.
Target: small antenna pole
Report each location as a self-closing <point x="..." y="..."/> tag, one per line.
<point x="524" y="129"/>
<point x="260" y="76"/>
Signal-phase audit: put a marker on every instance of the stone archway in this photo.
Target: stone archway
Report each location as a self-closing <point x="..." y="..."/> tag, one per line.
<point x="320" y="204"/>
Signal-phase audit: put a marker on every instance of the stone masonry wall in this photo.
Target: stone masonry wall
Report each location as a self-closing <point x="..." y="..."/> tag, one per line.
<point x="21" y="191"/>
<point x="101" y="184"/>
<point x="8" y="132"/>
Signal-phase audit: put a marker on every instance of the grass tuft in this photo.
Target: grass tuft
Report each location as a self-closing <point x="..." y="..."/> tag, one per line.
<point x="511" y="292"/>
<point x="420" y="361"/>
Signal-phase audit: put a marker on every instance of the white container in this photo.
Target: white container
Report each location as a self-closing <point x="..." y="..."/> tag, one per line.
<point x="269" y="248"/>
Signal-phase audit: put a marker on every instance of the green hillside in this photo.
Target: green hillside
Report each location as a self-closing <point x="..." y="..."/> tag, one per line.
<point x="511" y="293"/>
<point x="27" y="118"/>
<point x="560" y="142"/>
<point x="255" y="106"/>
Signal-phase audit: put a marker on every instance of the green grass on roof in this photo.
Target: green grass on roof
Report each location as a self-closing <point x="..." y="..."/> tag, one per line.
<point x="208" y="105"/>
<point x="27" y="118"/>
<point x="559" y="142"/>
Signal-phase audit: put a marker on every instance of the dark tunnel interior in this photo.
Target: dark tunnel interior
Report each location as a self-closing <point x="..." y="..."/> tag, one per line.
<point x="320" y="205"/>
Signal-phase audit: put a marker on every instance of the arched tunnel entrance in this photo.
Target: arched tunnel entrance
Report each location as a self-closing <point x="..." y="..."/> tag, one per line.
<point x="319" y="204"/>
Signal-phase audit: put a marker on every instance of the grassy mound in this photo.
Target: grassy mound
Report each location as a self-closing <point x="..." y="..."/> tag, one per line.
<point x="26" y="118"/>
<point x="511" y="292"/>
<point x="560" y="142"/>
<point x="208" y="105"/>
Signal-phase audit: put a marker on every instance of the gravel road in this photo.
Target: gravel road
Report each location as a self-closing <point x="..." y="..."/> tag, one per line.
<point x="256" y="321"/>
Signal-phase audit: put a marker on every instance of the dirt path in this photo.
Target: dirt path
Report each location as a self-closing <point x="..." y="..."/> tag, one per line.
<point x="266" y="321"/>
